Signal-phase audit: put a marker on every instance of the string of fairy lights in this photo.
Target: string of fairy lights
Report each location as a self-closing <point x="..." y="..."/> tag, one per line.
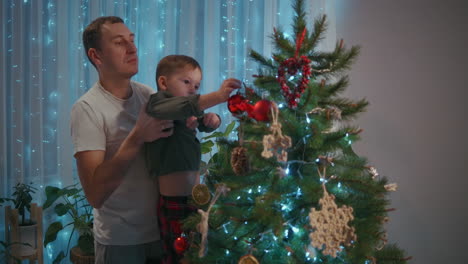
<point x="45" y="69"/>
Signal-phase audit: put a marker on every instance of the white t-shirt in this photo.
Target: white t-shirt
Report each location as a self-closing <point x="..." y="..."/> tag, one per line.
<point x="101" y="121"/>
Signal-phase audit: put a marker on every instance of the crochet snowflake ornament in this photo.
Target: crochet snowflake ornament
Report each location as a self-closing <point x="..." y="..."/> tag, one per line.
<point x="331" y="225"/>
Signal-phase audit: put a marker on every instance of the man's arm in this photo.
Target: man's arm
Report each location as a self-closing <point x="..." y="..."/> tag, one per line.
<point x="100" y="177"/>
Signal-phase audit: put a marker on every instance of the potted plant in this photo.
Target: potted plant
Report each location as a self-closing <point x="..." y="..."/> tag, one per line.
<point x="5" y="251"/>
<point x="72" y="202"/>
<point x="21" y="200"/>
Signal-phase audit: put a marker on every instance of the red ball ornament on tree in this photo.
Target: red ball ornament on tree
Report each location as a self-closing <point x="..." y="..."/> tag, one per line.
<point x="235" y="103"/>
<point x="261" y="110"/>
<point x="238" y="104"/>
<point x="180" y="245"/>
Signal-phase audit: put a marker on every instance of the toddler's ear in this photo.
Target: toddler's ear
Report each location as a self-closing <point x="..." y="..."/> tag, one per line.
<point x="162" y="83"/>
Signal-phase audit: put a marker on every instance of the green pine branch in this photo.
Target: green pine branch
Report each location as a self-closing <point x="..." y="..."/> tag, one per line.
<point x="261" y="60"/>
<point x="299" y="20"/>
<point x="312" y="40"/>
<point x="282" y="45"/>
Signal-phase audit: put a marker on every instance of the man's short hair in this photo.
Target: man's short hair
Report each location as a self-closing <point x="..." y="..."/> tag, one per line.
<point x="92" y="34"/>
<point x="169" y="64"/>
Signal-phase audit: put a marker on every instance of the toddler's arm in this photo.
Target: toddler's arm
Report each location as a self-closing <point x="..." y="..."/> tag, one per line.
<point x="162" y="105"/>
<point x="220" y="96"/>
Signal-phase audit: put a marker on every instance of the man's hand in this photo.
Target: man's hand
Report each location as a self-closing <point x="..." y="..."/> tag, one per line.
<point x="100" y="177"/>
<point x="148" y="129"/>
<point x="211" y="120"/>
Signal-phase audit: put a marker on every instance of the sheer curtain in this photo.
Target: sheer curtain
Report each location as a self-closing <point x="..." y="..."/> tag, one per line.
<point x="44" y="69"/>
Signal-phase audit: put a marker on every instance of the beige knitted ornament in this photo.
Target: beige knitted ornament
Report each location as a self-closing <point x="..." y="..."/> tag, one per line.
<point x="240" y="161"/>
<point x="275" y="143"/>
<point x="331" y="225"/>
<point x="248" y="259"/>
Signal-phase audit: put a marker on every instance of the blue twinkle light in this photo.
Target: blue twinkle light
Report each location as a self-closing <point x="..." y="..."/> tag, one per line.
<point x="299" y="192"/>
<point x="235" y="32"/>
<point x="295" y="229"/>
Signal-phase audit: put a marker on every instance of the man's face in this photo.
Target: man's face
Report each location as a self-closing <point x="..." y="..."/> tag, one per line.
<point x="184" y="82"/>
<point x="117" y="53"/>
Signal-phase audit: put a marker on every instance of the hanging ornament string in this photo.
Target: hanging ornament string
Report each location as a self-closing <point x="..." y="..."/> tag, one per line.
<point x="275" y="143"/>
<point x="202" y="227"/>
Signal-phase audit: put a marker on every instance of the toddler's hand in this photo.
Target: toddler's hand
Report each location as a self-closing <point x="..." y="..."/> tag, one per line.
<point x="191" y="122"/>
<point x="227" y="87"/>
<point x="211" y="120"/>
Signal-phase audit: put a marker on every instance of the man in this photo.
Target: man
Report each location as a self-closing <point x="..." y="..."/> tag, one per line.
<point x="109" y="127"/>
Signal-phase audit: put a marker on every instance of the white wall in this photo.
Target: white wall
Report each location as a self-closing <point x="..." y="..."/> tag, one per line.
<point x="413" y="69"/>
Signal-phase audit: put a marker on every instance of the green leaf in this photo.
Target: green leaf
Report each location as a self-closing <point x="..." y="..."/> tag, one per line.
<point x="214" y="135"/>
<point x="51" y="233"/>
<point x="71" y="192"/>
<point x="206" y="146"/>
<point x="4" y="200"/>
<point x="61" y="209"/>
<point x="52" y="194"/>
<point x="226" y="132"/>
<point x="229" y="129"/>
<point x="86" y="244"/>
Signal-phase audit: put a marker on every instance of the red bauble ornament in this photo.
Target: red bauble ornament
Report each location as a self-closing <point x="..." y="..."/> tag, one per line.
<point x="238" y="104"/>
<point x="180" y="245"/>
<point x="234" y="103"/>
<point x="261" y="110"/>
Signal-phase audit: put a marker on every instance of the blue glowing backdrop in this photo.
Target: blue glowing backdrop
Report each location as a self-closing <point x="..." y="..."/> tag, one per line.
<point x="44" y="69"/>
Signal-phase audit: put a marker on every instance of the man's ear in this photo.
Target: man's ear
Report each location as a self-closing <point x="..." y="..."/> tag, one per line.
<point x="162" y="83"/>
<point x="94" y="56"/>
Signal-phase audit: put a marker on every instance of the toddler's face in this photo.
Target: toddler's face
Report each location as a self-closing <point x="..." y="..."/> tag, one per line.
<point x="184" y="82"/>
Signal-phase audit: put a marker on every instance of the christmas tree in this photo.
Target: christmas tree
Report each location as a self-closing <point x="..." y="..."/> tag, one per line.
<point x="291" y="189"/>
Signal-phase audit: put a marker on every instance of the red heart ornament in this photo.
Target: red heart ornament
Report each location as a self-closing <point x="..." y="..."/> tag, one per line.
<point x="291" y="67"/>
